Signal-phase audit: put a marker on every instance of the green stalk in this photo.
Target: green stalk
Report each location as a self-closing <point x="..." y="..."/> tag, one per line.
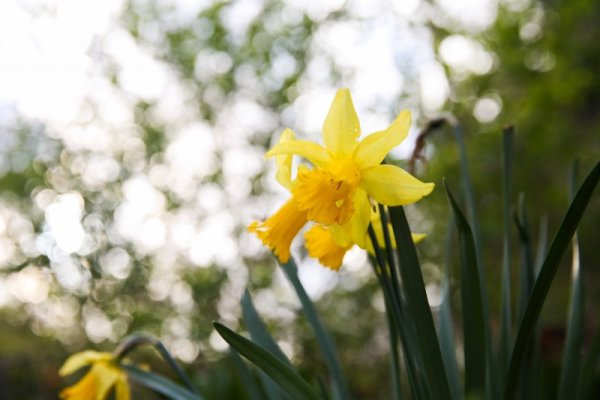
<point x="137" y="339"/>
<point x="159" y="384"/>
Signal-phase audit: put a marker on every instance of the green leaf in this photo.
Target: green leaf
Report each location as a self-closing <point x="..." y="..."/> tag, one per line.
<point x="557" y="249"/>
<point x="493" y="388"/>
<point x="505" y="306"/>
<point x="159" y="384"/>
<point x="394" y="359"/>
<point x="572" y="357"/>
<point x="446" y="326"/>
<point x="324" y="340"/>
<point x="395" y="310"/>
<point x="471" y="296"/>
<point x="417" y="303"/>
<point x="261" y="336"/>
<point x="258" y="330"/>
<point x="250" y="385"/>
<point x="286" y="377"/>
<point x="526" y="274"/>
<point x="529" y="380"/>
<point x="542" y="245"/>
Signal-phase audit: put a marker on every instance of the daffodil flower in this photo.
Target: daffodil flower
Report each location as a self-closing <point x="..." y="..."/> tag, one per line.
<point x="97" y="383"/>
<point x="335" y="193"/>
<point x="330" y="244"/>
<point x="346" y="173"/>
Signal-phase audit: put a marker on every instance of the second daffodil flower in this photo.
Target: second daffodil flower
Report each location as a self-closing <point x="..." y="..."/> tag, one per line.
<point x="96" y="384"/>
<point x="345" y="174"/>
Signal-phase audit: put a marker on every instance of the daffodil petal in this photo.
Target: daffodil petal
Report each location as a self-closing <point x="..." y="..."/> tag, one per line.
<point x="322" y="246"/>
<point x="341" y="128"/>
<point x="359" y="222"/>
<point x="341" y="235"/>
<point x="106" y="376"/>
<point x="122" y="389"/>
<point x="313" y="152"/>
<point x="80" y="360"/>
<point x="85" y="388"/>
<point x="284" y="162"/>
<point x="373" y="149"/>
<point x="392" y="186"/>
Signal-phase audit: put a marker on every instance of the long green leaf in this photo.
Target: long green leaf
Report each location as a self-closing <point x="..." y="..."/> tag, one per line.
<point x="446" y="326"/>
<point x="530" y="373"/>
<point x="261" y="336"/>
<point x="493" y="381"/>
<point x="416" y="298"/>
<point x="473" y="322"/>
<point x="391" y="277"/>
<point x="250" y="385"/>
<point x="394" y="360"/>
<point x="395" y="308"/>
<point x="526" y="274"/>
<point x="542" y="245"/>
<point x="258" y="330"/>
<point x="505" y="306"/>
<point x="548" y="271"/>
<point x="572" y="356"/>
<point x="280" y="372"/>
<point x="159" y="384"/>
<point x="324" y="340"/>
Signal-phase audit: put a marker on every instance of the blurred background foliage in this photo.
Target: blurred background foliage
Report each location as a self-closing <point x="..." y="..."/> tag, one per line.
<point x="132" y="136"/>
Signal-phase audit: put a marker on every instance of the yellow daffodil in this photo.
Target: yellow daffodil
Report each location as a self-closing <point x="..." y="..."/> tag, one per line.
<point x="97" y="383"/>
<point x="347" y="172"/>
<point x="330" y="244"/>
<point x="336" y="191"/>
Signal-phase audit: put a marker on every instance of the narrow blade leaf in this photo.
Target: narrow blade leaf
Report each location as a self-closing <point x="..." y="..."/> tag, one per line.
<point x="261" y="336"/>
<point x="446" y="326"/>
<point x="473" y="322"/>
<point x="548" y="271"/>
<point x="286" y="377"/>
<point x="416" y="298"/>
<point x="248" y="380"/>
<point x="258" y="330"/>
<point x="324" y="340"/>
<point x="493" y="389"/>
